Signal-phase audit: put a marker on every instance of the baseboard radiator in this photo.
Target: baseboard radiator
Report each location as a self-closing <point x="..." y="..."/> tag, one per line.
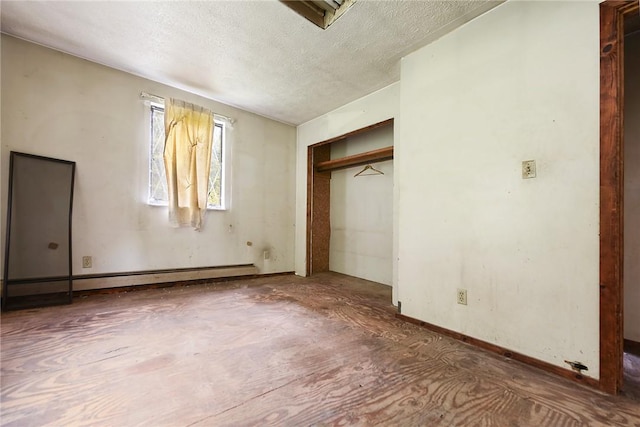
<point x="135" y="278"/>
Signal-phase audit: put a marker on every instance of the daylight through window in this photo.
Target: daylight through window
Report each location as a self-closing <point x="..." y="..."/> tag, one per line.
<point x="157" y="178"/>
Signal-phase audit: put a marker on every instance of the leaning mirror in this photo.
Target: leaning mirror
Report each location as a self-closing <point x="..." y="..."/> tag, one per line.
<point x="37" y="263"/>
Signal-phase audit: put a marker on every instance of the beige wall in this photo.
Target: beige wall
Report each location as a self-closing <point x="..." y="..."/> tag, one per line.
<point x="520" y="82"/>
<point x="60" y="106"/>
<point x="632" y="190"/>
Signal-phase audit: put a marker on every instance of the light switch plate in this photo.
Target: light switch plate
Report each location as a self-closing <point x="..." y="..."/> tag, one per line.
<point x="528" y="169"/>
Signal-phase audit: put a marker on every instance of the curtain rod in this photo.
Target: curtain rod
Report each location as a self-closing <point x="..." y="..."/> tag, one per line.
<point x="160" y="100"/>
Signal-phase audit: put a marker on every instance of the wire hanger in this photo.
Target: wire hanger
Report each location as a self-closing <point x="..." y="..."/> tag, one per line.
<point x="373" y="170"/>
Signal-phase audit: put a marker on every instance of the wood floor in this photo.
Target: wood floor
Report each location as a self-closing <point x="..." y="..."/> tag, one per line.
<point x="283" y="351"/>
<point x="632" y="375"/>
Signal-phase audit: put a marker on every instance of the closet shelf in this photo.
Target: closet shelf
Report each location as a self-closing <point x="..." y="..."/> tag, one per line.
<point x="373" y="156"/>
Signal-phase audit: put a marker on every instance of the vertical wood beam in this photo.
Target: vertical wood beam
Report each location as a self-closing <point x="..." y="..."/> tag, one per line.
<point x="320" y="211"/>
<point x="310" y="171"/>
<point x="611" y="203"/>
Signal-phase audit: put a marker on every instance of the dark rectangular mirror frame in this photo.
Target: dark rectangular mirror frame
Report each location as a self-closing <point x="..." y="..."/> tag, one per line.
<point x="38" y="244"/>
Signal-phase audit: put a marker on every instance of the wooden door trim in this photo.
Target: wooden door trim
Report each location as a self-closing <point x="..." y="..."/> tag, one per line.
<point x="356" y="132"/>
<point x="611" y="190"/>
<point x="309" y="255"/>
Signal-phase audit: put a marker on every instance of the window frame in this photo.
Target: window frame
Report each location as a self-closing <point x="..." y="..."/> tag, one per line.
<point x="224" y="185"/>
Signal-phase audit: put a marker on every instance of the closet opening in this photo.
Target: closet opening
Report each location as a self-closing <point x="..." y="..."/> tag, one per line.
<point x="350" y="204"/>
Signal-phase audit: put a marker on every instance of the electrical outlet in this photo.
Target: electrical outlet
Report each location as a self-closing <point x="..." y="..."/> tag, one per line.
<point x="528" y="169"/>
<point x="462" y="296"/>
<point x="266" y="255"/>
<point x="86" y="262"/>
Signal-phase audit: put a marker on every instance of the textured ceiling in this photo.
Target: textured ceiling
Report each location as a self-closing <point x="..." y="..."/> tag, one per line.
<point x="256" y="55"/>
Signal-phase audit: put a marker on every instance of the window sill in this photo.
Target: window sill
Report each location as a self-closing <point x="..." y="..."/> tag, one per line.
<point x="164" y="205"/>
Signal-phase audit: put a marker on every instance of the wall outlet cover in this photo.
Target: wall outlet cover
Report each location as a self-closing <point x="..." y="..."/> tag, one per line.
<point x="528" y="169"/>
<point x="461" y="296"/>
<point x="86" y="262"/>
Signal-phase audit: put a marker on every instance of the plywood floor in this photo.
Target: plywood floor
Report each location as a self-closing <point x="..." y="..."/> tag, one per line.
<point x="631" y="381"/>
<point x="283" y="351"/>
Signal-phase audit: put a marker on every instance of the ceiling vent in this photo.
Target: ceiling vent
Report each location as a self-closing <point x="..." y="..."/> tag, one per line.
<point x="321" y="12"/>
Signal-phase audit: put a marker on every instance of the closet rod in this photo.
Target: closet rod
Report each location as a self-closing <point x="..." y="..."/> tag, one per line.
<point x="160" y="100"/>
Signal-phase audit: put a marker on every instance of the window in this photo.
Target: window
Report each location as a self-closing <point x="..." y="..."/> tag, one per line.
<point x="157" y="179"/>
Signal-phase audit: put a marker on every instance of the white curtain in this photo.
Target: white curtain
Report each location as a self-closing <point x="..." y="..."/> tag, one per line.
<point x="187" y="160"/>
